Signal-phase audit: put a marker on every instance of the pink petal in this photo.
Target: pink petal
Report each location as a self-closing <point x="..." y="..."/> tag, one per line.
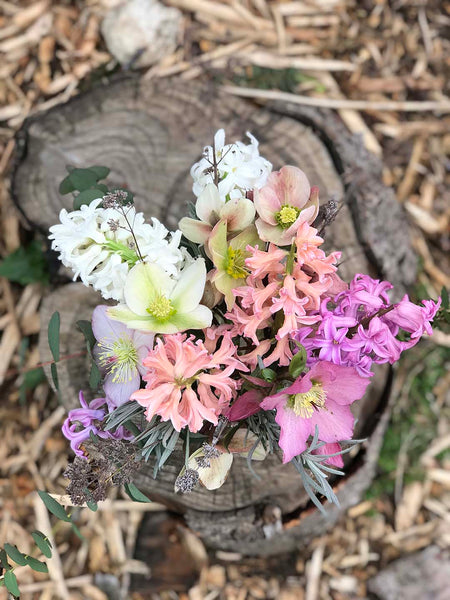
<point x="335" y="422"/>
<point x="342" y="384"/>
<point x="334" y="461"/>
<point x="294" y="434"/>
<point x="245" y="405"/>
<point x="267" y="203"/>
<point x="104" y="328"/>
<point x="291" y="186"/>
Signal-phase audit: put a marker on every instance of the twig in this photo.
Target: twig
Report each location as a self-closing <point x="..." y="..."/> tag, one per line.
<point x="442" y="106"/>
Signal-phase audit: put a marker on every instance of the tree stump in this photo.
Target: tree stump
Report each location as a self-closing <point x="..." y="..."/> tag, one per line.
<point x="149" y="134"/>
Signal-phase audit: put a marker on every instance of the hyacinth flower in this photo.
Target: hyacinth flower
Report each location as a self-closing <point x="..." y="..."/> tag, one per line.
<point x="283" y="204"/>
<point x="186" y="383"/>
<point x="87" y="420"/>
<point x="239" y="167"/>
<point x="360" y="326"/>
<point x="320" y="398"/>
<point x="156" y="302"/>
<point x="229" y="258"/>
<point x="119" y="352"/>
<point x="210" y="208"/>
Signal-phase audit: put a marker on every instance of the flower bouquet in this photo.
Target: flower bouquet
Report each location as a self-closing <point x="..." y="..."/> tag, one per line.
<point x="233" y="336"/>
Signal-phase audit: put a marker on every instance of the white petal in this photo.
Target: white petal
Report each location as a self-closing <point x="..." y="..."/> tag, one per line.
<point x="208" y="204"/>
<point x="142" y="286"/>
<point x="189" y="288"/>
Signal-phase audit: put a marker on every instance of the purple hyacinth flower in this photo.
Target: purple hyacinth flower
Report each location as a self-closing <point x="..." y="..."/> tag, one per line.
<point x="81" y="422"/>
<point x="119" y="353"/>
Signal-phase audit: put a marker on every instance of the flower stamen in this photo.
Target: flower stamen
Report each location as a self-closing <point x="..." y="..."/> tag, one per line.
<point x="287" y="215"/>
<point x="161" y="308"/>
<point x="235" y="264"/>
<point x="303" y="404"/>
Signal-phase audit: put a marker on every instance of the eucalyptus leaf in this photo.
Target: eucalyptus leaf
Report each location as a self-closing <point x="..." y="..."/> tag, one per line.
<point x="135" y="494"/>
<point x="86" y="197"/>
<point x="11" y="584"/>
<point x="43" y="543"/>
<point x="54" y="507"/>
<point x="37" y="565"/>
<point x="15" y="555"/>
<point x="53" y="335"/>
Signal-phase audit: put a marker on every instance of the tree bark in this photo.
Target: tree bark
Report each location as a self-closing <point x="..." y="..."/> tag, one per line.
<point x="150" y="134"/>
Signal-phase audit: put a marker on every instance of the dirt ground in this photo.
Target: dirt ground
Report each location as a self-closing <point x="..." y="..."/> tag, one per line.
<point x="383" y="66"/>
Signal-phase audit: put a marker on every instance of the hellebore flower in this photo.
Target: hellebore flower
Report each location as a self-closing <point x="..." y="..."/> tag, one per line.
<point x="320" y="398"/>
<point x="81" y="422"/>
<point x="229" y="257"/>
<point x="119" y="353"/>
<point x="239" y="213"/>
<point x="156" y="302"/>
<point x="283" y="204"/>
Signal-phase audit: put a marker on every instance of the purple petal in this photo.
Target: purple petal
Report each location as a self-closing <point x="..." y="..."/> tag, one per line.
<point x="104" y="328"/>
<point x="120" y="392"/>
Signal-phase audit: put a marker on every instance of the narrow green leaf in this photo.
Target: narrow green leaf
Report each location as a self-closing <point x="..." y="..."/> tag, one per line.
<point x="30" y="381"/>
<point x="54" y="507"/>
<point x="54" y="374"/>
<point x="4" y="560"/>
<point x="101" y="172"/>
<point x="11" y="584"/>
<point x="86" y="329"/>
<point x="135" y="494"/>
<point x="42" y="543"/>
<point x="92" y="506"/>
<point x="77" y="532"/>
<point x="37" y="565"/>
<point x="95" y="377"/>
<point x="15" y="555"/>
<point x="53" y="335"/>
<point x="445" y="298"/>
<point x="298" y="363"/>
<point x="86" y="197"/>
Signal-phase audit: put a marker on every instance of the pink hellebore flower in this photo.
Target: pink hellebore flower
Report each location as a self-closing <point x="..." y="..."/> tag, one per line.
<point x="239" y="213"/>
<point x="321" y="397"/>
<point x="283" y="204"/>
<point x="186" y="384"/>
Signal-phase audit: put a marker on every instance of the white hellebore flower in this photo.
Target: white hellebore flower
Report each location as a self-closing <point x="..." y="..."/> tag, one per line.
<point x="156" y="302"/>
<point x="240" y="167"/>
<point x="210" y="208"/>
<point x="97" y="245"/>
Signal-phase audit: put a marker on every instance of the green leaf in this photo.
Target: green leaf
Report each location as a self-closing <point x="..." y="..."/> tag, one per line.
<point x="86" y="197"/>
<point x="37" y="565"/>
<point x="30" y="381"/>
<point x="66" y="186"/>
<point x="43" y="543"/>
<point x="54" y="374"/>
<point x="26" y="265"/>
<point x="11" y="584"/>
<point x="101" y="172"/>
<point x="102" y="187"/>
<point x="53" y="335"/>
<point x="77" y="532"/>
<point x="4" y="560"/>
<point x="83" y="179"/>
<point x="298" y="363"/>
<point x="54" y="507"/>
<point x="268" y="374"/>
<point x="92" y="506"/>
<point x="86" y="329"/>
<point x="15" y="555"/>
<point x="135" y="494"/>
<point x="445" y="299"/>
<point x="95" y="377"/>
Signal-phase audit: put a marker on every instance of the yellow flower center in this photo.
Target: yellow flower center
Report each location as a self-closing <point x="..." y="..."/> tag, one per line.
<point x="304" y="404"/>
<point x="287" y="215"/>
<point x="119" y="358"/>
<point x="161" y="308"/>
<point x="235" y="263"/>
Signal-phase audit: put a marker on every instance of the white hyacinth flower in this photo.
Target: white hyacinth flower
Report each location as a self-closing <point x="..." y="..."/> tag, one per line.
<point x="240" y="168"/>
<point x="97" y="245"/>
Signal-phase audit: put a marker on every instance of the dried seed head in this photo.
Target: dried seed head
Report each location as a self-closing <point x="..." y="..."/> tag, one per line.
<point x="186" y="482"/>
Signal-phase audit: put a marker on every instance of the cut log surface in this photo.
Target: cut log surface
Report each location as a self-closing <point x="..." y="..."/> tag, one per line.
<point x="150" y="134"/>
